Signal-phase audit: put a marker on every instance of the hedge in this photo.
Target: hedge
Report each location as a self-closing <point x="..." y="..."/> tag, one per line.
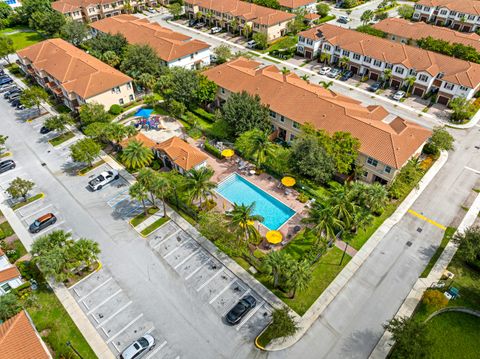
<point x="213" y="150"/>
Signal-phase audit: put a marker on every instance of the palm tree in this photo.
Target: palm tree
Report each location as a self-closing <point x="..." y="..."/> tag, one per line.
<point x="255" y="144"/>
<point x="343" y="204"/>
<point x="146" y="176"/>
<point x="85" y="251"/>
<point x="367" y="16"/>
<point x="326" y="84"/>
<point x="299" y="276"/>
<point x="138" y="192"/>
<point x="276" y="262"/>
<point x="376" y="197"/>
<point x="285" y="71"/>
<point x="325" y="223"/>
<point x="147" y="81"/>
<point x="242" y="219"/>
<point x="136" y="155"/>
<point x="387" y="75"/>
<point x="305" y="78"/>
<point x="410" y="80"/>
<point x="115" y="132"/>
<point x="161" y="188"/>
<point x="199" y="184"/>
<point x="344" y="61"/>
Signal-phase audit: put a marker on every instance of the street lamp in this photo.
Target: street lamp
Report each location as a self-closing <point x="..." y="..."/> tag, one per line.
<point x="69" y="344"/>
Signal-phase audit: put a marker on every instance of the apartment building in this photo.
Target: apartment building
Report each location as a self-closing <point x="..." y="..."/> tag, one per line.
<point x="310" y="6"/>
<point x="369" y="55"/>
<point x="173" y="48"/>
<point x="73" y="76"/>
<point x="94" y="10"/>
<point x="402" y="30"/>
<point x="462" y="15"/>
<point x="235" y="16"/>
<point x="387" y="142"/>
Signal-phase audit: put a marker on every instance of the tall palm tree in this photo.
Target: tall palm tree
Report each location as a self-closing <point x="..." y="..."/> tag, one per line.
<point x="199" y="184"/>
<point x="138" y="192"/>
<point x="85" y="251"/>
<point x="376" y="197"/>
<point x="277" y="263"/>
<point x="305" y="78"/>
<point x="343" y="204"/>
<point x="162" y="187"/>
<point x="136" y="155"/>
<point x="255" y="143"/>
<point x="242" y="220"/>
<point x="300" y="276"/>
<point x="146" y="176"/>
<point x="326" y="84"/>
<point x="387" y="75"/>
<point x="147" y="81"/>
<point x="325" y="223"/>
<point x="344" y="61"/>
<point x="410" y="80"/>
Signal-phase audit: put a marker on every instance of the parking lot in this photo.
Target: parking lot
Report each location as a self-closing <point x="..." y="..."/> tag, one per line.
<point x="208" y="279"/>
<point x="111" y="312"/>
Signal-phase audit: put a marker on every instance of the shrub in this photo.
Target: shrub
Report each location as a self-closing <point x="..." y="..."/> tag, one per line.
<point x="434" y="300"/>
<point x="302" y="197"/>
<point x="115" y="110"/>
<point x="213" y="150"/>
<point x="283" y="325"/>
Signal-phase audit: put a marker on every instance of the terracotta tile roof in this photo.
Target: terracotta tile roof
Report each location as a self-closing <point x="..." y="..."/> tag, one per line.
<point x="455" y="70"/>
<point x="304" y="103"/>
<point x="169" y="45"/>
<point x="257" y="14"/>
<point x="311" y="16"/>
<point x="9" y="274"/>
<point x="293" y="4"/>
<point x="19" y="339"/>
<point x="140" y="137"/>
<point x="465" y="6"/>
<point x="418" y="30"/>
<point x="77" y="71"/>
<point x="65" y="6"/>
<point x="183" y="154"/>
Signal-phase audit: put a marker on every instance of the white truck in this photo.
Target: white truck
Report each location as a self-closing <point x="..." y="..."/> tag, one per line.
<point x="103" y="179"/>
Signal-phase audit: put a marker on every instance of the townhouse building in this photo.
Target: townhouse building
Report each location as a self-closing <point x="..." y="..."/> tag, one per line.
<point x="10" y="277"/>
<point x="407" y="32"/>
<point x="309" y="6"/>
<point x="443" y="76"/>
<point x="236" y="15"/>
<point x="387" y="142"/>
<point x="73" y="76"/>
<point x="94" y="10"/>
<point x="462" y="15"/>
<point x="173" y="48"/>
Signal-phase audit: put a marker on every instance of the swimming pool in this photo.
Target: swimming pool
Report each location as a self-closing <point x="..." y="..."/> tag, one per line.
<point x="144" y="112"/>
<point x="237" y="189"/>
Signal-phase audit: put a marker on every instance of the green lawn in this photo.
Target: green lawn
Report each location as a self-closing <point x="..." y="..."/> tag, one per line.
<point x="283" y="43"/>
<point x="467" y="280"/>
<point x="29" y="200"/>
<point x="446" y="238"/>
<point x="23" y="38"/>
<point x="139" y="218"/>
<point x="5" y="230"/>
<point x="61" y="138"/>
<point x="454" y="335"/>
<point x="154" y="226"/>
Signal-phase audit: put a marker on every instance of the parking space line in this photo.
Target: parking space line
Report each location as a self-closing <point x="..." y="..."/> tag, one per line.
<point x="176" y="249"/>
<point x="157" y="349"/>
<point x="167" y="238"/>
<point x="115" y="197"/>
<point x="196" y="270"/>
<point x="222" y="291"/>
<point x="112" y="316"/>
<point x="31" y="214"/>
<point x="243" y="295"/>
<point x="187" y="258"/>
<point x="150" y="330"/>
<point x="50" y="229"/>
<point x="472" y="169"/>
<point x="124" y="328"/>
<point x="209" y="280"/>
<point x="103" y="302"/>
<point x="94" y="289"/>
<point x="248" y="316"/>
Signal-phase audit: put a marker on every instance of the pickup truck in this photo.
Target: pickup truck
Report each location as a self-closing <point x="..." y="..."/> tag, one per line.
<point x="103" y="179"/>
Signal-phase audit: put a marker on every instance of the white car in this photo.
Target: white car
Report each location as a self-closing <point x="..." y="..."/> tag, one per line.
<point x="251" y="44"/>
<point x="103" y="179"/>
<point x="398" y="95"/>
<point x="324" y="70"/>
<point x="139" y="347"/>
<point x="215" y="30"/>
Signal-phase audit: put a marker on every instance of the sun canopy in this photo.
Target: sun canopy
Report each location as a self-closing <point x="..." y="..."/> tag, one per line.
<point x="228" y="153"/>
<point x="274" y="237"/>
<point x="288" y="181"/>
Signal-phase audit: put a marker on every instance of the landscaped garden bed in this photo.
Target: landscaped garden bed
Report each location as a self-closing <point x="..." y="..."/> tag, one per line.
<point x="139" y="218"/>
<point x="154" y="226"/>
<point x="28" y="201"/>
<point x="61" y="138"/>
<point x="85" y="170"/>
<point x="82" y="273"/>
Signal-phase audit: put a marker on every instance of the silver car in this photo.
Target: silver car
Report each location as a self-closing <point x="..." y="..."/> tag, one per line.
<point x="139" y="347"/>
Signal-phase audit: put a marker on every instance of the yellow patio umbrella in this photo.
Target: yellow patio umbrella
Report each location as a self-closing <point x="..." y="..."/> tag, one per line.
<point x="274" y="237"/>
<point x="288" y="181"/>
<point x="228" y="153"/>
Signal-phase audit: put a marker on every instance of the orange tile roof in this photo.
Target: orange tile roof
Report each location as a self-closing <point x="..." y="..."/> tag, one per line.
<point x="169" y="45"/>
<point x="65" y="6"/>
<point x="391" y="143"/>
<point x="77" y="71"/>
<point x="9" y="274"/>
<point x="19" y="339"/>
<point x="250" y="12"/>
<point x="311" y="16"/>
<point x="183" y="154"/>
<point x="455" y="70"/>
<point x="293" y="4"/>
<point x="418" y="30"/>
<point x="465" y="6"/>
<point x="140" y="137"/>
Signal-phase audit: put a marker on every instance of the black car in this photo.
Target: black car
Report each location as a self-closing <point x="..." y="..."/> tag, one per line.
<point x="5" y="80"/>
<point x="192" y="22"/>
<point x="7" y="165"/>
<point x="15" y="102"/>
<point x="346" y="75"/>
<point x="42" y="222"/>
<point x="240" y="309"/>
<point x="44" y="130"/>
<point x="375" y="86"/>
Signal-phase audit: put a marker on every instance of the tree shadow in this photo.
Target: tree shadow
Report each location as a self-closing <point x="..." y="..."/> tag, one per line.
<point x="360" y="339"/>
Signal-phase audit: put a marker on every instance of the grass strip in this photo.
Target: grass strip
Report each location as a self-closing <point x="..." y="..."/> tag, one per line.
<point x="87" y="169"/>
<point x="449" y="232"/>
<point x="61" y="138"/>
<point x="28" y="201"/>
<point x="154" y="226"/>
<point x="139" y="218"/>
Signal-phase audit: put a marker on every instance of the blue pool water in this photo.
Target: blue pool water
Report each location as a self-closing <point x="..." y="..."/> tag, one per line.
<point x="238" y="190"/>
<point x="144" y="112"/>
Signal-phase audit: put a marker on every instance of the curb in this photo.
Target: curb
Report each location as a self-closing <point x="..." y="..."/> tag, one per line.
<point x="86" y="277"/>
<point x="42" y="195"/>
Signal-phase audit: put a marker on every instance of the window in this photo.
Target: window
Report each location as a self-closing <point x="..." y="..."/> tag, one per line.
<point x="471" y="17"/>
<point x="367" y="59"/>
<point x="273" y="114"/>
<point x="443" y="12"/>
<point x="129" y="86"/>
<point x="282" y="119"/>
<point x="346" y="53"/>
<point x="222" y="90"/>
<point x="301" y="39"/>
<point x="309" y="42"/>
<point x="453" y="13"/>
<point x="377" y="63"/>
<point x="372" y="162"/>
<point x="327" y="47"/>
<point x="116" y="90"/>
<point x="337" y="48"/>
<point x="388" y="169"/>
<point x="6" y="287"/>
<point x="365" y="174"/>
<point x="448" y="86"/>
<point x="120" y="101"/>
<point x="463" y="88"/>
<point x="131" y="98"/>
<point x="292" y="136"/>
<point x="296" y="124"/>
<point x="423" y="78"/>
<point x="399" y="70"/>
<point x="356" y="56"/>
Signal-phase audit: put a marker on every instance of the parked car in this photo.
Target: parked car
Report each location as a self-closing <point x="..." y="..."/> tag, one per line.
<point x="15" y="102"/>
<point x="343" y="19"/>
<point x="151" y="10"/>
<point x="215" y="30"/>
<point x="243" y="306"/>
<point x="346" y="75"/>
<point x="334" y="73"/>
<point x="192" y="22"/>
<point x="213" y="58"/>
<point x="324" y="70"/>
<point x="398" y="95"/>
<point x="199" y="25"/>
<point x="11" y="93"/>
<point x="375" y="86"/>
<point x="103" y="179"/>
<point x="42" y="222"/>
<point x="7" y="165"/>
<point x="14" y="96"/>
<point x="7" y="87"/>
<point x="251" y="44"/>
<point x="139" y="347"/>
<point x="44" y="130"/>
<point x="5" y="80"/>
